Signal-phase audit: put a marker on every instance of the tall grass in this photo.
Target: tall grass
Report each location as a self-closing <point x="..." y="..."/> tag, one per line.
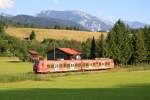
<point x="138" y="67"/>
<point x="24" y="77"/>
<point x="30" y="76"/>
<point x="18" y="71"/>
<point x="53" y="34"/>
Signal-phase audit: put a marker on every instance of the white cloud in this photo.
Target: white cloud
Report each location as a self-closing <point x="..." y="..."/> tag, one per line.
<point x="4" y="4"/>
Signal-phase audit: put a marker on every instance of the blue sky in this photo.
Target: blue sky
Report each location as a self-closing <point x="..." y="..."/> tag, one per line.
<point x="131" y="10"/>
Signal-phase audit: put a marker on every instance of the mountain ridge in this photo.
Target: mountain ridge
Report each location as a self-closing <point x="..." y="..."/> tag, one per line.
<point x="91" y="22"/>
<point x="71" y="18"/>
<point x="42" y="22"/>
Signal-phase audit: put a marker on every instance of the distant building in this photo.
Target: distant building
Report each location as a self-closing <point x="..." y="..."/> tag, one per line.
<point x="64" y="53"/>
<point x="34" y="55"/>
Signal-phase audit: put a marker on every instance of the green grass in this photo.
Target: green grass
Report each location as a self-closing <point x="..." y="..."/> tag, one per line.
<point x="14" y="67"/>
<point x="109" y="85"/>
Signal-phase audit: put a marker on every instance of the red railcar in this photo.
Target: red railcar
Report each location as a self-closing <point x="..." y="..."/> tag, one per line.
<point x="45" y="66"/>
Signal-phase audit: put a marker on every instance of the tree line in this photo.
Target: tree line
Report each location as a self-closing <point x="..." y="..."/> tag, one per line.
<point x="12" y="23"/>
<point x="124" y="45"/>
<point x="11" y="46"/>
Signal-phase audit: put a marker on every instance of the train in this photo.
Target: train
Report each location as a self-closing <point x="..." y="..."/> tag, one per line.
<point x="58" y="66"/>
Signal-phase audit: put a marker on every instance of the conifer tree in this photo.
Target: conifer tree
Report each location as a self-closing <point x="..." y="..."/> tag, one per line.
<point x="93" y="52"/>
<point x="102" y="46"/>
<point x="86" y="46"/>
<point x="32" y="35"/>
<point x="2" y="26"/>
<point x="147" y="42"/>
<point x="139" y="50"/>
<point x="119" y="43"/>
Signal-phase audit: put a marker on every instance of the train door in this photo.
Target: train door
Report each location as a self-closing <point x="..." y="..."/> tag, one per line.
<point x="56" y="66"/>
<point x="90" y="65"/>
<point x="72" y="66"/>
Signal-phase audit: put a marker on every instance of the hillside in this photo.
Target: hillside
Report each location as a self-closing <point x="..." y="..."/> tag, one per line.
<point x="38" y="22"/>
<point x="52" y="34"/>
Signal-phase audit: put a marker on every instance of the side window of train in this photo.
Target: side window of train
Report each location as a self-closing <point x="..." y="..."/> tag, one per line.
<point x="60" y="65"/>
<point x="87" y="65"/>
<point x="94" y="64"/>
<point x="100" y="64"/>
<point x="79" y="65"/>
<point x="52" y="65"/>
<point x="42" y="63"/>
<point x="65" y="65"/>
<point x="48" y="66"/>
<point x="91" y="64"/>
<point x="107" y="63"/>
<point x="84" y="64"/>
<point x="76" y="65"/>
<point x="68" y="65"/>
<point x="56" y="66"/>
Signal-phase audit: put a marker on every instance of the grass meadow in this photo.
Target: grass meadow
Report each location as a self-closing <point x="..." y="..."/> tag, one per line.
<point x="53" y="34"/>
<point x="18" y="82"/>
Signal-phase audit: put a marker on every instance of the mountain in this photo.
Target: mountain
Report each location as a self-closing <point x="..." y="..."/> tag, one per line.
<point x="78" y="19"/>
<point x="135" y="24"/>
<point x="90" y="22"/>
<point x="42" y="22"/>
